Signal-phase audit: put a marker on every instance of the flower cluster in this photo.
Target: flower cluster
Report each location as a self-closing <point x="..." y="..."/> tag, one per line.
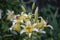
<point x="28" y="21"/>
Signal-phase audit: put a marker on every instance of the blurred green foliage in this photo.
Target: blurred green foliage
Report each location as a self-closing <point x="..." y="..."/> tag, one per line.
<point x="48" y="12"/>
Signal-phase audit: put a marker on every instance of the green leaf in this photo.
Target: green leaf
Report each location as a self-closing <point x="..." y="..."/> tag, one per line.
<point x="0" y="37"/>
<point x="56" y="13"/>
<point x="4" y="26"/>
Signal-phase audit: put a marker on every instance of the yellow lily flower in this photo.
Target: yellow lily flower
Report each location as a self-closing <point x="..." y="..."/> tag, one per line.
<point x="10" y="15"/>
<point x="42" y="24"/>
<point x="22" y="17"/>
<point x="19" y="19"/>
<point x="29" y="28"/>
<point x="16" y="27"/>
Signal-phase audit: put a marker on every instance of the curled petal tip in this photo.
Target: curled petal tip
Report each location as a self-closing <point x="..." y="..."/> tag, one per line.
<point x="50" y="26"/>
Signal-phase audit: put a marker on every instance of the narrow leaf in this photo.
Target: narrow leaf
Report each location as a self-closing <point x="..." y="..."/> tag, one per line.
<point x="56" y="12"/>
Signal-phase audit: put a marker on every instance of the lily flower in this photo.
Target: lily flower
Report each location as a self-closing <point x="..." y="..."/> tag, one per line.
<point x="18" y="19"/>
<point x="29" y="28"/>
<point x="10" y="15"/>
<point x="22" y="17"/>
<point x="43" y="24"/>
<point x="15" y="27"/>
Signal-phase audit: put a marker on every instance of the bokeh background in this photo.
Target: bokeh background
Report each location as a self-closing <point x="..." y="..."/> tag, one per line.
<point x="48" y="9"/>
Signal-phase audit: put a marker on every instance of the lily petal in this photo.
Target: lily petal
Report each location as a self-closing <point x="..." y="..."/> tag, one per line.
<point x="50" y="26"/>
<point x="35" y="29"/>
<point x="12" y="12"/>
<point x="10" y="28"/>
<point x="34" y="24"/>
<point x="41" y="31"/>
<point x="30" y="35"/>
<point x="8" y="11"/>
<point x="28" y="23"/>
<point x="22" y="31"/>
<point x="25" y="15"/>
<point x="22" y="26"/>
<point x="14" y="22"/>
